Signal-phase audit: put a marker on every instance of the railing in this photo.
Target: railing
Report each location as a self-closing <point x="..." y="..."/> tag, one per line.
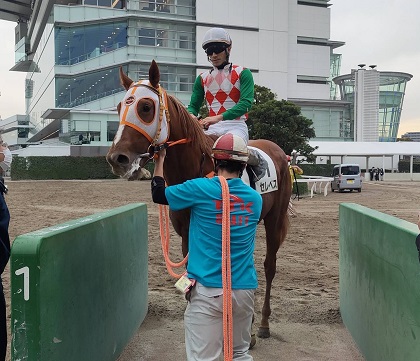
<point x="316" y="181"/>
<point x="93" y="54"/>
<point x="91" y="98"/>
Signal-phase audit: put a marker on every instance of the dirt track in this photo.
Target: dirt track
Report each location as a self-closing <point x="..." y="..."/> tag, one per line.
<point x="305" y="320"/>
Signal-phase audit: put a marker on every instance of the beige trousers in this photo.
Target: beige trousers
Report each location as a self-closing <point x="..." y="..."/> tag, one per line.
<point x="203" y="320"/>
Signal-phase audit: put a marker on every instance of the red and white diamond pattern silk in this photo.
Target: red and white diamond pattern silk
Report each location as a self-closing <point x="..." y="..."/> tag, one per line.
<point x="222" y="89"/>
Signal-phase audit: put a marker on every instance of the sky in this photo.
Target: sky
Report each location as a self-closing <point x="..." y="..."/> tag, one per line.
<point x="384" y="33"/>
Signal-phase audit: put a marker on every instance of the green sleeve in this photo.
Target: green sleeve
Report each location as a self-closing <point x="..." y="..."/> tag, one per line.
<point x="197" y="97"/>
<point x="246" y="99"/>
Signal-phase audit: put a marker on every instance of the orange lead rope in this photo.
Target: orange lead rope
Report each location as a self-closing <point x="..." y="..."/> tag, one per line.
<point x="165" y="238"/>
<point x="226" y="265"/>
<point x="226" y="274"/>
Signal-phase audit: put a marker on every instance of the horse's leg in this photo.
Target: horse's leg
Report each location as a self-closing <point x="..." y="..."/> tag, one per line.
<point x="273" y="240"/>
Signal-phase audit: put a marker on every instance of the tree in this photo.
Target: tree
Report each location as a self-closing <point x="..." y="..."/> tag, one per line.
<point x="281" y="122"/>
<point x="263" y="95"/>
<point x="404" y="139"/>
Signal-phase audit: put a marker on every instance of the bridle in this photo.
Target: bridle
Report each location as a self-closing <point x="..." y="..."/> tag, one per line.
<point x="157" y="134"/>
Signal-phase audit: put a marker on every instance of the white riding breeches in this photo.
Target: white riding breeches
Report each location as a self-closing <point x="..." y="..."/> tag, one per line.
<point x="203" y="320"/>
<point x="237" y="127"/>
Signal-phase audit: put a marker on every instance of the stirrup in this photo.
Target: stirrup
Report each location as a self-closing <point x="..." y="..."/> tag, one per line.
<point x="258" y="171"/>
<point x="258" y="164"/>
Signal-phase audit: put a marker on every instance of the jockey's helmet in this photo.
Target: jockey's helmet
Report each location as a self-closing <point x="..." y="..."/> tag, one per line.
<point x="215" y="36"/>
<point x="230" y="147"/>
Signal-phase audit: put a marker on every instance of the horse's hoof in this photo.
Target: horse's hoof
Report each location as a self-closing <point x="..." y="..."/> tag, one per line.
<point x="263" y="332"/>
<point x="253" y="341"/>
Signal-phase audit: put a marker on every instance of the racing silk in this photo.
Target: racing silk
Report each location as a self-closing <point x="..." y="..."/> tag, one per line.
<point x="228" y="91"/>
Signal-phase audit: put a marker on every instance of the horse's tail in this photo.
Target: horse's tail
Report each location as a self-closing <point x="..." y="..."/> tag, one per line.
<point x="285" y="191"/>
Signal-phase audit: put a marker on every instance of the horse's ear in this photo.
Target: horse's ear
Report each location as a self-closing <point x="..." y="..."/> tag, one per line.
<point x="124" y="79"/>
<point x="154" y="74"/>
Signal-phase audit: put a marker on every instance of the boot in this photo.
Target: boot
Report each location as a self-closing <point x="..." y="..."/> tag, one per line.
<point x="258" y="164"/>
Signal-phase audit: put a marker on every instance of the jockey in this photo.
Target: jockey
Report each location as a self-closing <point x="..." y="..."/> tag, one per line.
<point x="203" y="317"/>
<point x="229" y="93"/>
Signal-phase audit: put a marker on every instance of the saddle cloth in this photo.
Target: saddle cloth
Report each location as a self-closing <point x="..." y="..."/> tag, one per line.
<point x="268" y="183"/>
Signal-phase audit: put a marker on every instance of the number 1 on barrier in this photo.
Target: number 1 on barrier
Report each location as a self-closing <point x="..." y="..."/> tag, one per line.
<point x="25" y="272"/>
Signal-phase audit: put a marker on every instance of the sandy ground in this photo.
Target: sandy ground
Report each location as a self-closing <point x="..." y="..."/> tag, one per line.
<point x="305" y="321"/>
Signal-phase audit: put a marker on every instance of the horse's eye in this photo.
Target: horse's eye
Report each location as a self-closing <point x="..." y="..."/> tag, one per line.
<point x="146" y="108"/>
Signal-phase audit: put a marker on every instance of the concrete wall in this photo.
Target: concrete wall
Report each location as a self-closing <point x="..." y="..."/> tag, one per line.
<point x="79" y="289"/>
<point x="379" y="283"/>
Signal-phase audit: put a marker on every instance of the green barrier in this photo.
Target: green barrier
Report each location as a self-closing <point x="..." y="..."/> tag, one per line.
<point x="79" y="289"/>
<point x="379" y="283"/>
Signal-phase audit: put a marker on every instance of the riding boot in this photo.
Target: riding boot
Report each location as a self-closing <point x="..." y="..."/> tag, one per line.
<point x="258" y="164"/>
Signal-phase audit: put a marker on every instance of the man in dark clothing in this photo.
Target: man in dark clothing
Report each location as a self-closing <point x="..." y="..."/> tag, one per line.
<point x="4" y="257"/>
<point x="372" y="173"/>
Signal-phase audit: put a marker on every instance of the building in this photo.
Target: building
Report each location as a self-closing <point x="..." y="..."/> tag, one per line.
<point x="375" y="99"/>
<point x="72" y="50"/>
<point x="413" y="136"/>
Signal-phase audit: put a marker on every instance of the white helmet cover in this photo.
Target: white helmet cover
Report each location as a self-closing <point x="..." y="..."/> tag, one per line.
<point x="230" y="147"/>
<point x="216" y="35"/>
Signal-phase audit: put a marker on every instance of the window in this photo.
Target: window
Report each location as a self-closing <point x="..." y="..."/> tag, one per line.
<point x="81" y="43"/>
<point x="77" y="90"/>
<point x="147" y="37"/>
<point x="112" y="128"/>
<point x="311" y="79"/>
<point x="183" y="42"/>
<point x="172" y="78"/>
<point x="166" y="35"/>
<point x="182" y="8"/>
<point x="350" y="170"/>
<point x="184" y="84"/>
<point x="317" y="3"/>
<point x="116" y="4"/>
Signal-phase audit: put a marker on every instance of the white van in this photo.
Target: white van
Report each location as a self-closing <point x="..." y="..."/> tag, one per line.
<point x="346" y="176"/>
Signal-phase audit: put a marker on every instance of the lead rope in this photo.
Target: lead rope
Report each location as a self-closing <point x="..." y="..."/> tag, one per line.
<point x="165" y="239"/>
<point x="226" y="264"/>
<point x="226" y="274"/>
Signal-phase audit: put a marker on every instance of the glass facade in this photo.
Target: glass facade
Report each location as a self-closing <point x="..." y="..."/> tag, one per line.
<point x="111" y="130"/>
<point x="330" y="124"/>
<point x="180" y="8"/>
<point x="116" y="4"/>
<point x="335" y="65"/>
<point x="166" y="35"/>
<point x="80" y="43"/>
<point x="175" y="79"/>
<point x="165" y="41"/>
<point x="76" y="90"/>
<point x="152" y="36"/>
<point x="391" y="96"/>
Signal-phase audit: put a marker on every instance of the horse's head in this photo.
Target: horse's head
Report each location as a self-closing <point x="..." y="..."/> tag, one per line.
<point x="143" y="124"/>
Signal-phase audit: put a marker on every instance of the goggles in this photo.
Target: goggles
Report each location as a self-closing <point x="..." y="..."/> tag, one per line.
<point x="217" y="49"/>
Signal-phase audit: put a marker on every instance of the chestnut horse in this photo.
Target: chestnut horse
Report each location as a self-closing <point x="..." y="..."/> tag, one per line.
<point x="148" y="118"/>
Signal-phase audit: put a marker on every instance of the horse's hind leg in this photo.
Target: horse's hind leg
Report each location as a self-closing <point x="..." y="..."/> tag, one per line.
<point x="273" y="240"/>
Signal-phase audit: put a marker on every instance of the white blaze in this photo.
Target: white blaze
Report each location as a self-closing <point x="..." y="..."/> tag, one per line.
<point x="119" y="133"/>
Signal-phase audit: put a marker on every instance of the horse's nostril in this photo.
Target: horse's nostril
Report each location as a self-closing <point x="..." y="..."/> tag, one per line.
<point x="122" y="159"/>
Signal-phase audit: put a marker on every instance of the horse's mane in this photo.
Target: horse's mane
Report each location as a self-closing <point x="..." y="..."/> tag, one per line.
<point x="191" y="128"/>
